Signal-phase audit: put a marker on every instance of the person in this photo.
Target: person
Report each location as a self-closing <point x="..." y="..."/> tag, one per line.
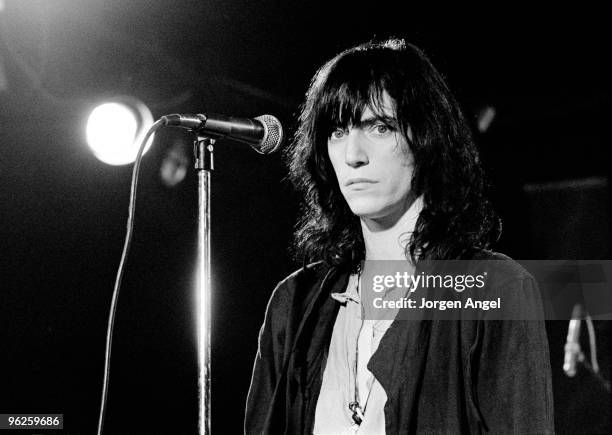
<point x="389" y="171"/>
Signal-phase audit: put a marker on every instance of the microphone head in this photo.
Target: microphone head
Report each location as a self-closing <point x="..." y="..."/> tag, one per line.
<point x="273" y="136"/>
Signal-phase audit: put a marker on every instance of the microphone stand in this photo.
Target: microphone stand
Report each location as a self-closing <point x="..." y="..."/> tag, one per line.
<point x="203" y="149"/>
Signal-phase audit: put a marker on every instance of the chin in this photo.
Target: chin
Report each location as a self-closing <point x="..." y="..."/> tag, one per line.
<point x="374" y="207"/>
<point x="367" y="209"/>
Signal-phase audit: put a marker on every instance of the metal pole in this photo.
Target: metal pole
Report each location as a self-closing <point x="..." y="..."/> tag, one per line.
<point x="203" y="148"/>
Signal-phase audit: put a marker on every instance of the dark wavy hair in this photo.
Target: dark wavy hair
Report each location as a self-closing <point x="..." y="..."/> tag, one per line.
<point x="456" y="215"/>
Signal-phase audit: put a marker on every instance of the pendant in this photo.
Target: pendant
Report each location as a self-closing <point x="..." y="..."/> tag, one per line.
<point x="357" y="412"/>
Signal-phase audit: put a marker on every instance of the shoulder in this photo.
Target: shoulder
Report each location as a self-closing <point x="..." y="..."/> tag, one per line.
<point x="299" y="285"/>
<point x="291" y="297"/>
<point x="500" y="268"/>
<point x="508" y="280"/>
<point x="310" y="274"/>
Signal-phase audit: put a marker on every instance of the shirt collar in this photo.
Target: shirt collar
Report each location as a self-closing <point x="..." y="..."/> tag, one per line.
<point x="351" y="293"/>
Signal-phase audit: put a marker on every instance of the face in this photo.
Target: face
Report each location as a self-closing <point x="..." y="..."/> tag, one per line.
<point x="373" y="164"/>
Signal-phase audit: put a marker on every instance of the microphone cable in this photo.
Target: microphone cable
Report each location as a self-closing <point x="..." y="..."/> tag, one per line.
<point x="126" y="248"/>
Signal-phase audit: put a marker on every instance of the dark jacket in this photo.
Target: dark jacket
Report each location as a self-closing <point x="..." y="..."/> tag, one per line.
<point x="440" y="376"/>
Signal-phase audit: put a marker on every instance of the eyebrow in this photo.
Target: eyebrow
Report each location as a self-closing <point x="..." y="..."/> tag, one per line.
<point x="368" y="122"/>
<point x="372" y="120"/>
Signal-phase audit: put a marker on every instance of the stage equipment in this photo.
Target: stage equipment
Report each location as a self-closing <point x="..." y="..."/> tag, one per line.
<point x="264" y="134"/>
<point x="115" y="129"/>
<point x="573" y="351"/>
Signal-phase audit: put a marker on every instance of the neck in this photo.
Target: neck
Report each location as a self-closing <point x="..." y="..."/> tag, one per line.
<point x="386" y="239"/>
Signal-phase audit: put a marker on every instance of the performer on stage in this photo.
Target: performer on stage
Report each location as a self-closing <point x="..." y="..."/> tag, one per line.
<point x="389" y="171"/>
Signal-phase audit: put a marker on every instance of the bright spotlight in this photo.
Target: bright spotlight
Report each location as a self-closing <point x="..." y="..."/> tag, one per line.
<point x="116" y="128"/>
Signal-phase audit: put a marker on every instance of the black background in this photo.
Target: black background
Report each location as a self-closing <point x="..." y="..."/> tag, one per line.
<point x="63" y="212"/>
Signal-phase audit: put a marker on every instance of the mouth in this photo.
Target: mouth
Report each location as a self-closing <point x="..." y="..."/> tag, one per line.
<point x="356" y="181"/>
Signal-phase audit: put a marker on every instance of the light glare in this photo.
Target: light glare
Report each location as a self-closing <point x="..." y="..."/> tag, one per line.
<point x="114" y="131"/>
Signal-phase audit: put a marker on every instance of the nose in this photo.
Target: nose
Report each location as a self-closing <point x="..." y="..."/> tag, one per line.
<point x="355" y="154"/>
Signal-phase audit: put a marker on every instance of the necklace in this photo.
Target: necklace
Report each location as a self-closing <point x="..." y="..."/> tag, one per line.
<point x="371" y="332"/>
<point x="364" y="344"/>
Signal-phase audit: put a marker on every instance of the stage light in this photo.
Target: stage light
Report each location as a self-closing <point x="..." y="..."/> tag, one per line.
<point x="115" y="129"/>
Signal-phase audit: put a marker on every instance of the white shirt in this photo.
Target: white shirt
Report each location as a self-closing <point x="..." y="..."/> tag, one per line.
<point x="346" y="376"/>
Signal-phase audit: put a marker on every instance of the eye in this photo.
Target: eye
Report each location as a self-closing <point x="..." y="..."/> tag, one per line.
<point x="337" y="134"/>
<point x="381" y="130"/>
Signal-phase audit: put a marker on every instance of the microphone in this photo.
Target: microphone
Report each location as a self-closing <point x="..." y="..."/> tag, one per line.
<point x="573" y="353"/>
<point x="264" y="134"/>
